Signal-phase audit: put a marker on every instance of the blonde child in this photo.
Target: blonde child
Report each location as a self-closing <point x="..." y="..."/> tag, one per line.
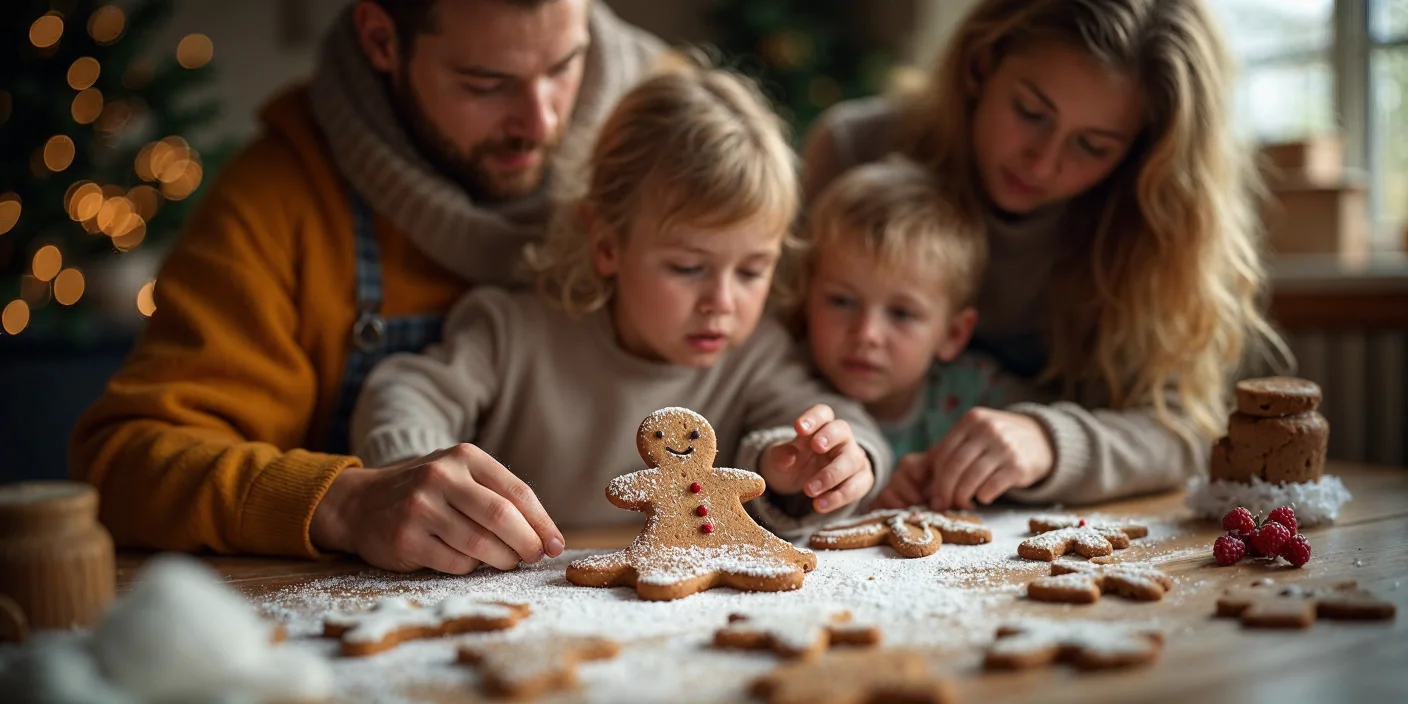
<point x="1095" y="140"/>
<point x="652" y="288"/>
<point x="888" y="284"/>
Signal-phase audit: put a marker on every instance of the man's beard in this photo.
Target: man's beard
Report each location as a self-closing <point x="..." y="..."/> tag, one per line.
<point x="469" y="170"/>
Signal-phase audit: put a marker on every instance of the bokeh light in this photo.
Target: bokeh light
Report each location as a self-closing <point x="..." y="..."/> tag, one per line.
<point x="83" y="73"/>
<point x="106" y="24"/>
<point x="194" y="51"/>
<point x="47" y="262"/>
<point x="87" y="106"/>
<point x="58" y="152"/>
<point x="15" y="317"/>
<point x="68" y="286"/>
<point x="146" y="298"/>
<point x="10" y="208"/>
<point x="46" y="30"/>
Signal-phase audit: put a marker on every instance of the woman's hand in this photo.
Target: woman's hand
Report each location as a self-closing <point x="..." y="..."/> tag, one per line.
<point x="985" y="454"/>
<point x="824" y="461"/>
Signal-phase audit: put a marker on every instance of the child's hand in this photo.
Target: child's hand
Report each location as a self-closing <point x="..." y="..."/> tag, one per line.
<point x="824" y="461"/>
<point x="985" y="454"/>
<point x="907" y="485"/>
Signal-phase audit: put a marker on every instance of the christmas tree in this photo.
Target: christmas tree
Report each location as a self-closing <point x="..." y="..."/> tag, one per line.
<point x="806" y="53"/>
<point x="94" y="162"/>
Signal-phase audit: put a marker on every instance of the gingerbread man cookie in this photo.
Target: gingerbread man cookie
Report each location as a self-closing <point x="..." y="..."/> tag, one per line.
<point x="855" y="677"/>
<point x="794" y="635"/>
<point x="527" y="669"/>
<point x="393" y="620"/>
<point x="1059" y="534"/>
<point x="1083" y="583"/>
<point x="1089" y="645"/>
<point x="697" y="535"/>
<point x="914" y="532"/>
<point x="1266" y="604"/>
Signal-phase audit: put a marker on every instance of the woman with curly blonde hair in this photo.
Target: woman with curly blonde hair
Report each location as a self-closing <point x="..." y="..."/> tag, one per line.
<point x="1094" y="139"/>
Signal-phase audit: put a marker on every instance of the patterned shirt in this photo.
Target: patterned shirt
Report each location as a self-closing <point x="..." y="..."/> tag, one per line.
<point x="950" y="390"/>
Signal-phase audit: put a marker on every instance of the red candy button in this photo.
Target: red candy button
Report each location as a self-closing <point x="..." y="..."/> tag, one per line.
<point x="707" y="528"/>
<point x="702" y="510"/>
<point x="696" y="487"/>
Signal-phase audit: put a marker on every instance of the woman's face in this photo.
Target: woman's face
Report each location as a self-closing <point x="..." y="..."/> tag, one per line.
<point x="1051" y="122"/>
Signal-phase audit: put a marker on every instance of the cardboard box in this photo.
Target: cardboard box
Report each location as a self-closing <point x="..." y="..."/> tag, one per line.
<point x="1317" y="160"/>
<point x="1304" y="217"/>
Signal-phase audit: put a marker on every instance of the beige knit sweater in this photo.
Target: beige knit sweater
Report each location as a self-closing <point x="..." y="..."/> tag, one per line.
<point x="557" y="401"/>
<point x="1101" y="454"/>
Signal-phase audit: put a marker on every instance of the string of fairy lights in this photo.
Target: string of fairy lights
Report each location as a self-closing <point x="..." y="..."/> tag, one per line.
<point x="169" y="168"/>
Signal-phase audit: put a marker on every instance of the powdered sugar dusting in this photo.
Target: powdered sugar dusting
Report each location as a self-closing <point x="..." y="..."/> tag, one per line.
<point x="671" y="565"/>
<point x="1106" y="638"/>
<point x="796" y="629"/>
<point x="948" y="600"/>
<point x="1314" y="502"/>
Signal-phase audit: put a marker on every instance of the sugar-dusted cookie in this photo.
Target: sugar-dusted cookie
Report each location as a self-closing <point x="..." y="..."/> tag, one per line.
<point x="914" y="532"/>
<point x="697" y="535"/>
<point x="1270" y="397"/>
<point x="1083" y="583"/>
<point x="1089" y="645"/>
<point x="529" y="668"/>
<point x="855" y="677"/>
<point x="804" y="635"/>
<point x="1057" y="535"/>
<point x="1047" y="522"/>
<point x="1265" y="604"/>
<point x="393" y="620"/>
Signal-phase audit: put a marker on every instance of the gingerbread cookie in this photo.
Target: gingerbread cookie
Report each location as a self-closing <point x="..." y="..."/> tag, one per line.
<point x="1266" y="604"/>
<point x="697" y="535"/>
<point x="1048" y="522"/>
<point x="1270" y="397"/>
<point x="855" y="677"/>
<point x="1059" y="534"/>
<point x="914" y="532"/>
<point x="1083" y="583"/>
<point x="393" y="620"/>
<point x="527" y="669"/>
<point x="1089" y="645"/>
<point x="1279" y="450"/>
<point x="794" y="635"/>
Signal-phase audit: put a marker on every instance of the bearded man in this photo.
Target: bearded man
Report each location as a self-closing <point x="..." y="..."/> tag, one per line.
<point x="430" y="133"/>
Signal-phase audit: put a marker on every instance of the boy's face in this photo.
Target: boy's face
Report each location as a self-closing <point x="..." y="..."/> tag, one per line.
<point x="875" y="330"/>
<point x="687" y="295"/>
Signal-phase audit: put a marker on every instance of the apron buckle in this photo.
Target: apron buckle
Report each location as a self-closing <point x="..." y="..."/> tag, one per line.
<point x="369" y="332"/>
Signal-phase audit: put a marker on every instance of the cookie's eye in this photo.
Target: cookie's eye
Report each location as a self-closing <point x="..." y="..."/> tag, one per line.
<point x="659" y="434"/>
<point x="694" y="435"/>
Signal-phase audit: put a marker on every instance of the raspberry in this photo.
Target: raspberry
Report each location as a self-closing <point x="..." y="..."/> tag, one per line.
<point x="1296" y="550"/>
<point x="1238" y="519"/>
<point x="1269" y="539"/>
<point x="1246" y="537"/>
<point x="1285" y="515"/>
<point x="1228" y="550"/>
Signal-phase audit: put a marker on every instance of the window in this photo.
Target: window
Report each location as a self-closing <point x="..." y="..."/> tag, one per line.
<point x="1388" y="83"/>
<point x="1319" y="66"/>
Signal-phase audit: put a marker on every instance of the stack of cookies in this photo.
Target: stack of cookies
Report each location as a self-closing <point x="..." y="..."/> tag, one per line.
<point x="1276" y="435"/>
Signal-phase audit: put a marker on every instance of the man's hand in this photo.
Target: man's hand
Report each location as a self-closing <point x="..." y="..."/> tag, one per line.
<point x="986" y="453"/>
<point x="823" y="461"/>
<point x="450" y="511"/>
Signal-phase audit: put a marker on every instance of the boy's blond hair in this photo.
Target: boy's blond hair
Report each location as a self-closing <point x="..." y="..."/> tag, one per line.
<point x="895" y="212"/>
<point x="690" y="145"/>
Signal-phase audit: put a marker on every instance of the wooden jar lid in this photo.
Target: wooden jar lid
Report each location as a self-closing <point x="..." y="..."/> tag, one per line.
<point x="46" y="506"/>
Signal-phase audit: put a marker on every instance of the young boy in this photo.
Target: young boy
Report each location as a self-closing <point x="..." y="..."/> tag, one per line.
<point x="889" y="285"/>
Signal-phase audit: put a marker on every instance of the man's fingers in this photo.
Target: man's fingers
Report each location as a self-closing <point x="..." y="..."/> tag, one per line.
<point x="469" y="536"/>
<point x="501" y="481"/>
<point x="948" y="474"/>
<point x="439" y="556"/>
<point x="851" y="490"/>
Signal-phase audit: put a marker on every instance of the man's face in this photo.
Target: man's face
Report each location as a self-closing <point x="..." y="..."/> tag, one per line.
<point x="488" y="92"/>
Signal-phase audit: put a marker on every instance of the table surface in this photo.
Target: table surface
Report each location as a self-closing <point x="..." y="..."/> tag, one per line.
<point x="1211" y="660"/>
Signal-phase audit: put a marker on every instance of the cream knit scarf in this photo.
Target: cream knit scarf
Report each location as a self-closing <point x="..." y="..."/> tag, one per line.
<point x="375" y="155"/>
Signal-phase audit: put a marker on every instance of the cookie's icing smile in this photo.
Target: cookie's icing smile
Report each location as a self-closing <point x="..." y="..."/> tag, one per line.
<point x="677" y="453"/>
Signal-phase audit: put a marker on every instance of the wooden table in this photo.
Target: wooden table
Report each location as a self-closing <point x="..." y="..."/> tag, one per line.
<point x="1205" y="659"/>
